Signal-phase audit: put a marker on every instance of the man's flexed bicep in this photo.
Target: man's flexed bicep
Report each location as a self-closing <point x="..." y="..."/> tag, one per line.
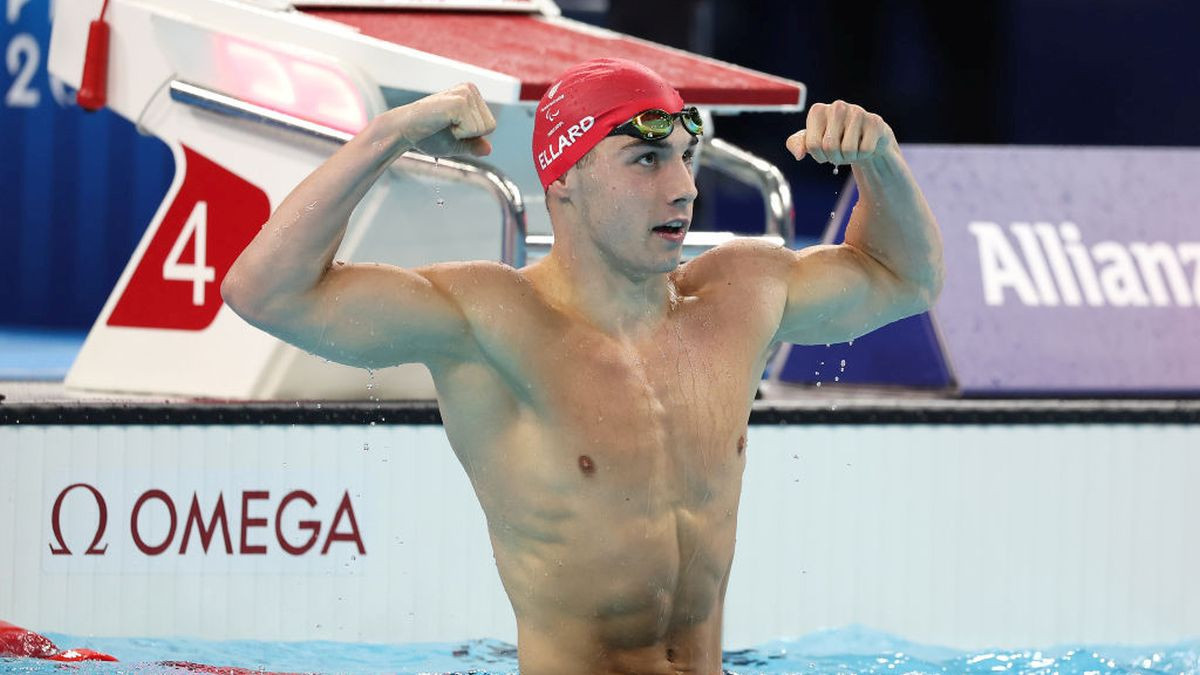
<point x="372" y="316"/>
<point x="891" y="264"/>
<point x="838" y="292"/>
<point x="287" y="283"/>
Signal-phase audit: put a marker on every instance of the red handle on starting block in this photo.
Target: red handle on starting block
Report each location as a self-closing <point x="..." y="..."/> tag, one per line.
<point x="93" y="89"/>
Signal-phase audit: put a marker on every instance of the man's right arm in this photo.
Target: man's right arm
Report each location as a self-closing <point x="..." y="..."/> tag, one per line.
<point x="287" y="283"/>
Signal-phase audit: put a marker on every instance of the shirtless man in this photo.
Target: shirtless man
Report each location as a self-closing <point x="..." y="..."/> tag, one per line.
<point x="598" y="399"/>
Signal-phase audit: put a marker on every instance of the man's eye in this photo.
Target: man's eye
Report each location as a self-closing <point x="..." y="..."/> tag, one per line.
<point x="647" y="159"/>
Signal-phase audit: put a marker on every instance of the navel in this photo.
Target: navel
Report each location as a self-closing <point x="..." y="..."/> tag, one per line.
<point x="586" y="465"/>
<point x="741" y="444"/>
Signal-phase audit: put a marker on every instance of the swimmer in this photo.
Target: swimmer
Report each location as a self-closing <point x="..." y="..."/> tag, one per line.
<point x="598" y="399"/>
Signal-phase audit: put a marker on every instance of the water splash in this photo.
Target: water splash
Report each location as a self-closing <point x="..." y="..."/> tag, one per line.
<point x="849" y="649"/>
<point x="437" y="189"/>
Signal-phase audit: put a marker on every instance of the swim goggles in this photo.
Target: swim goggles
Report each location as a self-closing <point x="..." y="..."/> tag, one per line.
<point x="656" y="124"/>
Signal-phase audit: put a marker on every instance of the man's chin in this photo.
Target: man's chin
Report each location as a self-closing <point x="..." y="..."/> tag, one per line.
<point x="667" y="270"/>
<point x="669" y="264"/>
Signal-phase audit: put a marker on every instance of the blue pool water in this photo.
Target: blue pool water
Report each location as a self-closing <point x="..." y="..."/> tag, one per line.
<point x="846" y="650"/>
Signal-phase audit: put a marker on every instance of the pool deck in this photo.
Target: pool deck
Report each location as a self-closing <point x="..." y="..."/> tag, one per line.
<point x="34" y="362"/>
<point x="51" y="403"/>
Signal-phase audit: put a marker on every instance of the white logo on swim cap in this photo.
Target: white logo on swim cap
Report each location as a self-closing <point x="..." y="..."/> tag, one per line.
<point x="574" y="133"/>
<point x="554" y="100"/>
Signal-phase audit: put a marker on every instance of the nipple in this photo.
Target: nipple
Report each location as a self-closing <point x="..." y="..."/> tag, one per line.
<point x="741" y="444"/>
<point x="586" y="465"/>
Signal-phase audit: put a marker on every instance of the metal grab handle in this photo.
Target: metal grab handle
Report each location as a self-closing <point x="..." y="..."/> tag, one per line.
<point x="727" y="158"/>
<point x="517" y="244"/>
<point x="732" y="161"/>
<point x="413" y="162"/>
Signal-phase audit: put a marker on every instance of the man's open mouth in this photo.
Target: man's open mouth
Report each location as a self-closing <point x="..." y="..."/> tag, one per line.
<point x="673" y="227"/>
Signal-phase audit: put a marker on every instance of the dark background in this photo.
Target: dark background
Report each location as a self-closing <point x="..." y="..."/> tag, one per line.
<point x="1041" y="72"/>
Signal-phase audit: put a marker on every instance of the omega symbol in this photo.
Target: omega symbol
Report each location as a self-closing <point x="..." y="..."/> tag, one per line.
<point x="94" y="548"/>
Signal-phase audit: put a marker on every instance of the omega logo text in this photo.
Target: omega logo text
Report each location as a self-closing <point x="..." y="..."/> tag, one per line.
<point x="200" y="528"/>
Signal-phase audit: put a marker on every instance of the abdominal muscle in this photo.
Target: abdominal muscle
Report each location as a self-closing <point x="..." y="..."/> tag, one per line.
<point x="615" y="547"/>
<point x="610" y="473"/>
<point x="601" y="584"/>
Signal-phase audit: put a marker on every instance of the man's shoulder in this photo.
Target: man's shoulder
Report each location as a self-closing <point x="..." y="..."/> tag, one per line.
<point x="465" y="269"/>
<point x="474" y="277"/>
<point x="741" y="259"/>
<point x="481" y="287"/>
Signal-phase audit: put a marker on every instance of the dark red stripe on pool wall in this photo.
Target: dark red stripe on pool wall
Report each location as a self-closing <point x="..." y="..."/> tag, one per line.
<point x="536" y="50"/>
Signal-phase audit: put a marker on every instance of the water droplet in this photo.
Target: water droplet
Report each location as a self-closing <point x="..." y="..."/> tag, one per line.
<point x="835" y="169"/>
<point x="818" y="384"/>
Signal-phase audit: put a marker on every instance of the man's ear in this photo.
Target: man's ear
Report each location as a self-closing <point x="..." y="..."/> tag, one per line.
<point x="560" y="189"/>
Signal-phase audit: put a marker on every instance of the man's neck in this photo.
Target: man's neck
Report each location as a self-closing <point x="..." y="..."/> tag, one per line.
<point x="616" y="302"/>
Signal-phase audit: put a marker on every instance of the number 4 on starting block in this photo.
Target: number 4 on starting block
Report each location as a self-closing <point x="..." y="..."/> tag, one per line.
<point x="175" y="283"/>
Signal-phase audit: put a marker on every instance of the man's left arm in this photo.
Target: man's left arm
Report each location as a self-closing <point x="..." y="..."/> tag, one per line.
<point x="890" y="265"/>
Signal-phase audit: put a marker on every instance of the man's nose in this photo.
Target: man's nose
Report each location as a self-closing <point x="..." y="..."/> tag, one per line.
<point x="683" y="184"/>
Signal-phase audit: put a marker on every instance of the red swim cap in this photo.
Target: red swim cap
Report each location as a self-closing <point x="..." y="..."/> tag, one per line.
<point x="587" y="102"/>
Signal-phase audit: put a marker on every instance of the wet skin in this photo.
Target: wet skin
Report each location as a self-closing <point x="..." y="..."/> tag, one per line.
<point x="597" y="399"/>
<point x="609" y="468"/>
<point x="608" y="455"/>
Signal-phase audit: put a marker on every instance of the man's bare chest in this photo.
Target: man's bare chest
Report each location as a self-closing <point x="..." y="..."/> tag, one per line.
<point x="669" y="408"/>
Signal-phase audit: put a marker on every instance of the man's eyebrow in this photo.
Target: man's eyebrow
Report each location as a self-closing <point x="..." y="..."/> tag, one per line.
<point x="658" y="145"/>
<point x="640" y="141"/>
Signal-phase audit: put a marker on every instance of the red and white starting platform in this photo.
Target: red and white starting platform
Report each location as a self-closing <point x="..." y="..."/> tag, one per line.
<point x="252" y="95"/>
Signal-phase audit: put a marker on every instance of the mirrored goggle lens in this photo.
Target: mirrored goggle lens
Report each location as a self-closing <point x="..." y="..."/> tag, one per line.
<point x="654" y="124"/>
<point x="692" y="120"/>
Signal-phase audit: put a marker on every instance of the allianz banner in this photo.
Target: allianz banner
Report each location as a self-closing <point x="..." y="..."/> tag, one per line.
<point x="1070" y="271"/>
